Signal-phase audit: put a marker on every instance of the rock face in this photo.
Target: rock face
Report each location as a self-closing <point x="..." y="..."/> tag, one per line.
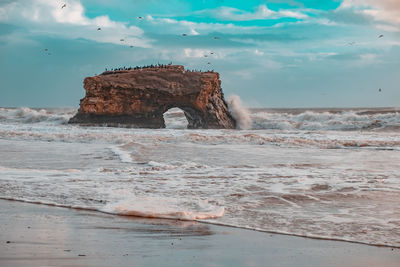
<point x="139" y="97"/>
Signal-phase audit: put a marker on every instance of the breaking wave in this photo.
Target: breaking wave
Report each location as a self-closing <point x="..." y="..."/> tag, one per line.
<point x="30" y="115"/>
<point x="296" y="173"/>
<point x="165" y="208"/>
<point x="326" y="120"/>
<point x="175" y="119"/>
<point x="256" y="119"/>
<point x="145" y="207"/>
<point x="239" y="113"/>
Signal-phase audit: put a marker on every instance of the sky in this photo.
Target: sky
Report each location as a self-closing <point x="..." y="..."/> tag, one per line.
<point x="278" y="53"/>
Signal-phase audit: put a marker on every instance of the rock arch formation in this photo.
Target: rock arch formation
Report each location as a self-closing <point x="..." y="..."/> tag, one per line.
<point x="139" y="97"/>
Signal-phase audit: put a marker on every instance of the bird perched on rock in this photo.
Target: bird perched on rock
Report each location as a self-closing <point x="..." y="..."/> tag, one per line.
<point x="184" y="34"/>
<point x="65" y="5"/>
<point x="380" y="90"/>
<point x="122" y="40"/>
<point x="140" y="17"/>
<point x="99" y="29"/>
<point x="380" y="36"/>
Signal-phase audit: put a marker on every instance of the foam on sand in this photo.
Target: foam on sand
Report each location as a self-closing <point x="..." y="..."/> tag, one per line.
<point x="164" y="208"/>
<point x="324" y="173"/>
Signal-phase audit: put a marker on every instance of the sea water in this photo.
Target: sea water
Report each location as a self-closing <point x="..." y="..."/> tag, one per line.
<point x="325" y="173"/>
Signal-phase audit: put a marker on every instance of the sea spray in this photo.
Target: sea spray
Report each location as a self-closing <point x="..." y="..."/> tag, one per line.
<point x="31" y="115"/>
<point x="239" y="113"/>
<point x="260" y="177"/>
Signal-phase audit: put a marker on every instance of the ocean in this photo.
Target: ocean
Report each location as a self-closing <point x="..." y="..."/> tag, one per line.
<point x="321" y="173"/>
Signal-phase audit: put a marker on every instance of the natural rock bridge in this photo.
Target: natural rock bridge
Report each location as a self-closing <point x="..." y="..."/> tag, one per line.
<point x="139" y="97"/>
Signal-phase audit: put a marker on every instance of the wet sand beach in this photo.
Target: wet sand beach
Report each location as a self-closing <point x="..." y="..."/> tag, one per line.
<point x="39" y="235"/>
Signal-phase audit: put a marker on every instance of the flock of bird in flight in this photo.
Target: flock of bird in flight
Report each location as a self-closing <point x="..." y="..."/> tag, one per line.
<point x="353" y="43"/>
<point x="123" y="40"/>
<point x="184" y="35"/>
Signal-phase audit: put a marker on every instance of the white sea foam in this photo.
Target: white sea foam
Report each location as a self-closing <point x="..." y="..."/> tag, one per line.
<point x="239" y="113"/>
<point x="308" y="120"/>
<point x="326" y="120"/>
<point x="282" y="177"/>
<point x="123" y="155"/>
<point x="28" y="115"/>
<point x="175" y="119"/>
<point x="166" y="208"/>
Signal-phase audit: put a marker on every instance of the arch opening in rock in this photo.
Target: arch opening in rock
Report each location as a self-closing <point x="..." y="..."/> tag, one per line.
<point x="175" y="118"/>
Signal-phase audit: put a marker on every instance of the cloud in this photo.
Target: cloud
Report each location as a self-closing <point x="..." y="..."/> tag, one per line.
<point x="262" y="12"/>
<point x="386" y="4"/>
<point x="380" y="10"/>
<point x="49" y="18"/>
<point x="347" y="16"/>
<point x="368" y="57"/>
<point x="356" y="58"/>
<point x="258" y="52"/>
<point x="387" y="28"/>
<point x="175" y="26"/>
<point x="169" y="31"/>
<point x="196" y="53"/>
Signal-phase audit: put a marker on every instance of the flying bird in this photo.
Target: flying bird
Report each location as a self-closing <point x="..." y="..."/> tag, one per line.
<point x="122" y="40"/>
<point x="184" y="34"/>
<point x="380" y="36"/>
<point x="140" y="17"/>
<point x="380" y="90"/>
<point x="65" y="5"/>
<point x="212" y="53"/>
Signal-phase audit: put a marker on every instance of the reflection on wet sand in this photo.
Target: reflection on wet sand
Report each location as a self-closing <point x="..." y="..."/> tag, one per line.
<point x="40" y="235"/>
<point x="159" y="228"/>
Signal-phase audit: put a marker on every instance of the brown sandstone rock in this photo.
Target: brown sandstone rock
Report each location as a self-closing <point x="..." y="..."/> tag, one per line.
<point x="139" y="98"/>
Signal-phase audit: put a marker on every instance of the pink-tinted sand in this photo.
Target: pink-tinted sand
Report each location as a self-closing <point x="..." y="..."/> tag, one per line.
<point x="38" y="235"/>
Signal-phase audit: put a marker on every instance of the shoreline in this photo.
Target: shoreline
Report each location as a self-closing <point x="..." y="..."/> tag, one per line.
<point x="38" y="235"/>
<point x="206" y="222"/>
<point x="303" y="236"/>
